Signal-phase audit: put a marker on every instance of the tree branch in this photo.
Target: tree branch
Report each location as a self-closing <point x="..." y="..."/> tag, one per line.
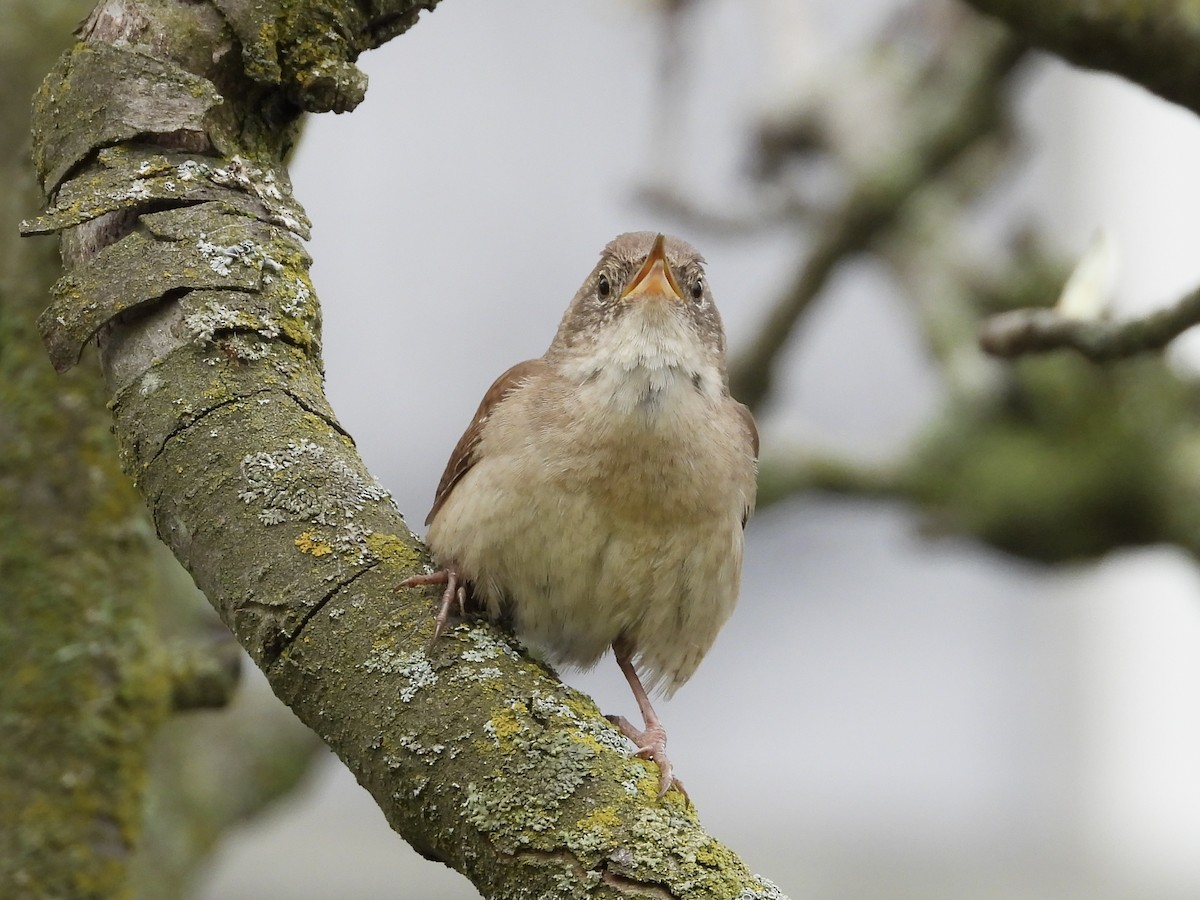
<point x="1155" y="43"/>
<point x="1025" y="331"/>
<point x="476" y="754"/>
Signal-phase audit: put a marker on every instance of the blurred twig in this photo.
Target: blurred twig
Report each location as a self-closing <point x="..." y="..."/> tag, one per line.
<point x="786" y="474"/>
<point x="771" y="211"/>
<point x="1049" y="459"/>
<point x="1025" y="331"/>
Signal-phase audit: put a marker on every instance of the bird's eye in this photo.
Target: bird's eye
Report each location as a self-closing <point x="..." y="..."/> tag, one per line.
<point x="603" y="288"/>
<point x="697" y="288"/>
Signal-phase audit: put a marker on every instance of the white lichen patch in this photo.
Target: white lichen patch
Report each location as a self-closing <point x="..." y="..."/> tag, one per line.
<point x="414" y="668"/>
<point x="137" y="190"/>
<point x="769" y="891"/>
<point x="238" y="173"/>
<point x="245" y="349"/>
<point x="412" y="743"/>
<point x="150" y="382"/>
<point x="305" y="481"/>
<point x="511" y="808"/>
<point x="221" y="257"/>
<point x="485" y="646"/>
<point x="489" y="728"/>
<point x="262" y="184"/>
<point x="548" y="706"/>
<point x="191" y="170"/>
<point x="568" y="881"/>
<point x="237" y="329"/>
<point x="296" y="304"/>
<point x="475" y="673"/>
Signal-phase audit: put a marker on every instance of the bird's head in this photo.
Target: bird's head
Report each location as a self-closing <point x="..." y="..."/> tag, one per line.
<point x="647" y="303"/>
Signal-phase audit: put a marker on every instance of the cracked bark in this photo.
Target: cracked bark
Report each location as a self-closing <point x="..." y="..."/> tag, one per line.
<point x="159" y="141"/>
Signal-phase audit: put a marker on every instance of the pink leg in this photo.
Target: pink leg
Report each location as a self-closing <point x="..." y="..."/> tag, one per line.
<point x="456" y="591"/>
<point x="652" y="741"/>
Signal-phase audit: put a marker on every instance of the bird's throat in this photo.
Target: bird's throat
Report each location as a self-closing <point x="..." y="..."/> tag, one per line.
<point x="643" y="367"/>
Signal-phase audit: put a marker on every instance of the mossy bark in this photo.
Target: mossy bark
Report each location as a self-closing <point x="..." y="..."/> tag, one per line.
<point x="83" y="682"/>
<point x="210" y="349"/>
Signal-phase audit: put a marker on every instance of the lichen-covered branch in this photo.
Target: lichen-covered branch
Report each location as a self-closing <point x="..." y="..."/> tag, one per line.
<point x="1024" y="331"/>
<point x="182" y="244"/>
<point x="1155" y="43"/>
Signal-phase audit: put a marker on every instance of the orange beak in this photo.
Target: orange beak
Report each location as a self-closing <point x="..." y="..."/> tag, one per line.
<point x="654" y="278"/>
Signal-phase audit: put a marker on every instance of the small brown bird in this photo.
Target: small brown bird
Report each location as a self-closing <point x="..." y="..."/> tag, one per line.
<point x="599" y="495"/>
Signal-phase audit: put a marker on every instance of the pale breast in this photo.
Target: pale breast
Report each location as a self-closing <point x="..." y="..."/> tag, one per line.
<point x="614" y="515"/>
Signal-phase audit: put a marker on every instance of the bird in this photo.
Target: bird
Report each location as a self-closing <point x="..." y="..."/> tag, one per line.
<point x="599" y="496"/>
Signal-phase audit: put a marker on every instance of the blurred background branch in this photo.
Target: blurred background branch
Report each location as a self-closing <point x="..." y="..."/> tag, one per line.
<point x="1151" y="43"/>
<point x="1023" y="331"/>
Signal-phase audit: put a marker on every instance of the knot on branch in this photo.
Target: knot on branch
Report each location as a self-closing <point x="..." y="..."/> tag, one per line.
<point x="310" y="49"/>
<point x="207" y="247"/>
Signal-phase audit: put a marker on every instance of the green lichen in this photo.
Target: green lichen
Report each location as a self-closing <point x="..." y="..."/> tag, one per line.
<point x="514" y="819"/>
<point x="486" y="643"/>
<point x="429" y="754"/>
<point x="506" y="725"/>
<point x="213" y="317"/>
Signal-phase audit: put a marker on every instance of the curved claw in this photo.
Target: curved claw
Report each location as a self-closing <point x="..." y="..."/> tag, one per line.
<point x="652" y="745"/>
<point x="456" y="591"/>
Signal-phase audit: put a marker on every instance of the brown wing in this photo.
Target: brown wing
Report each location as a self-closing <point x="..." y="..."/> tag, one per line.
<point x="748" y="421"/>
<point x="752" y="433"/>
<point x="464" y="455"/>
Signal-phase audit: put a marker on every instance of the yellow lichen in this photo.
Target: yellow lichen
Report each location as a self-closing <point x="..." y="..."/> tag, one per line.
<point x="506" y="724"/>
<point x="312" y="543"/>
<point x="603" y="819"/>
<point x="393" y="549"/>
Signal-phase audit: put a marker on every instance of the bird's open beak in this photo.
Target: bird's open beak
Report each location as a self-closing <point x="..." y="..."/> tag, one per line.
<point x="654" y="278"/>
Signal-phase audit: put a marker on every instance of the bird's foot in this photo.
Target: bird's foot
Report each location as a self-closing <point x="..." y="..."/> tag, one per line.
<point x="455" y="592"/>
<point x="651" y="744"/>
